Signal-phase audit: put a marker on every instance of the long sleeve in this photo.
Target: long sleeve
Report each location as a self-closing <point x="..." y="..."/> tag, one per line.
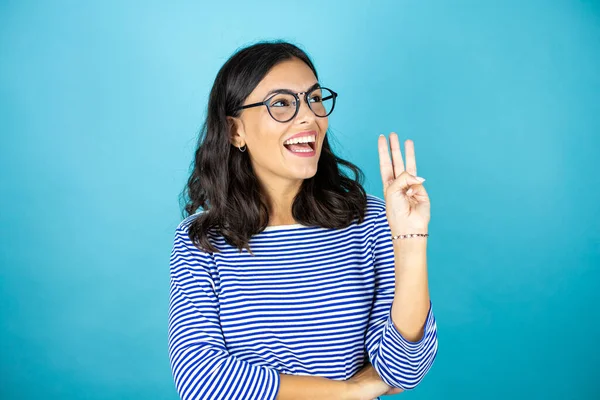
<point x="200" y="361"/>
<point x="399" y="362"/>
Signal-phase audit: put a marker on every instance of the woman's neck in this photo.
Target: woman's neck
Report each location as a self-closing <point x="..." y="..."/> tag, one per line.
<point x="281" y="199"/>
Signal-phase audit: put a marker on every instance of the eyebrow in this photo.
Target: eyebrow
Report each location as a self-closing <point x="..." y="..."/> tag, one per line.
<point x="314" y="86"/>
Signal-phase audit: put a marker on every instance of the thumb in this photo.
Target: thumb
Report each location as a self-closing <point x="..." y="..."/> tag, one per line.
<point x="404" y="180"/>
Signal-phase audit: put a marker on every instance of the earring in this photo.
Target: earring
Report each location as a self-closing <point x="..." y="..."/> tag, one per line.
<point x="241" y="148"/>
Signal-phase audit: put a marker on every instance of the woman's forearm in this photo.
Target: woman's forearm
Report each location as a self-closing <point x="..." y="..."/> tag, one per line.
<point x="303" y="387"/>
<point x="411" y="298"/>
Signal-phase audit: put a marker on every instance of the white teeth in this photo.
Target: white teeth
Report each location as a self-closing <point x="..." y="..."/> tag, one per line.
<point x="307" y="139"/>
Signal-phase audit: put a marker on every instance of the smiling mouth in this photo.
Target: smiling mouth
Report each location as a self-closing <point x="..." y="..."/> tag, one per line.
<point x="302" y="149"/>
<point x="311" y="145"/>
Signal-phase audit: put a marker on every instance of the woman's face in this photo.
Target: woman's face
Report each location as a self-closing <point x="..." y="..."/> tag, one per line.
<point x="264" y="136"/>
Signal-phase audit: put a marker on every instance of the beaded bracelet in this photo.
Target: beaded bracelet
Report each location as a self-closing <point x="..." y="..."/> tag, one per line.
<point x="409" y="235"/>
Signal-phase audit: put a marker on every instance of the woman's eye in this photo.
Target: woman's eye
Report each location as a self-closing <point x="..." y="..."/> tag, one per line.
<point x="280" y="103"/>
<point x="315" y="99"/>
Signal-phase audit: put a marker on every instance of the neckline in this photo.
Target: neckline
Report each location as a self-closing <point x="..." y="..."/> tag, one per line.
<point x="279" y="227"/>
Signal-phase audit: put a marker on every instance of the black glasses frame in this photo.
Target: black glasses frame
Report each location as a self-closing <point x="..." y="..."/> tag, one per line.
<point x="297" y="96"/>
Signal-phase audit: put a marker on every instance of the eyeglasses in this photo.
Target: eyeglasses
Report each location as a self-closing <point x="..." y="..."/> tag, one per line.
<point x="283" y="106"/>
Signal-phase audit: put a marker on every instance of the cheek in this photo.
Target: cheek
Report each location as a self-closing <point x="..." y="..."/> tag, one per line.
<point x="265" y="133"/>
<point x="323" y="125"/>
<point x="270" y="133"/>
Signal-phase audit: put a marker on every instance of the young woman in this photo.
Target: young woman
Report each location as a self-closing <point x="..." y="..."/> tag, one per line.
<point x="292" y="282"/>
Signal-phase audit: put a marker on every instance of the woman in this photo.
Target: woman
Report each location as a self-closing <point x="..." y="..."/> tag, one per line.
<point x="282" y="286"/>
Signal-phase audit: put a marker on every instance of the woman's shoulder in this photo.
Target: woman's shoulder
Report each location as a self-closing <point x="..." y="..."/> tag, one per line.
<point x="375" y="206"/>
<point x="185" y="224"/>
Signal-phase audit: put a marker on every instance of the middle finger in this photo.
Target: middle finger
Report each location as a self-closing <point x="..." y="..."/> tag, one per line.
<point x="396" y="154"/>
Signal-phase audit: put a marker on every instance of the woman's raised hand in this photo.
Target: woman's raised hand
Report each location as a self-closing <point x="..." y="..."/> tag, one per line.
<point x="406" y="200"/>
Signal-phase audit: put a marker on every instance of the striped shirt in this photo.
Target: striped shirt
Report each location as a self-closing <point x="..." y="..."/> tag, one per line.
<point x="312" y="301"/>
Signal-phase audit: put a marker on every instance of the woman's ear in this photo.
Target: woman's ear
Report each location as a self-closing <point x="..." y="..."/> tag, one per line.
<point x="236" y="131"/>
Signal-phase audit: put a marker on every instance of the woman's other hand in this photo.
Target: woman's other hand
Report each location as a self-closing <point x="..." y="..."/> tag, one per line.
<point x="366" y="384"/>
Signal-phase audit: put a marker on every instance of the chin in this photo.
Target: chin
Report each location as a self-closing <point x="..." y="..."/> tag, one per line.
<point x="304" y="173"/>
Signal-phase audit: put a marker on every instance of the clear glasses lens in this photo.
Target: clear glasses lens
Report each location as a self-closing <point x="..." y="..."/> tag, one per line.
<point x="321" y="101"/>
<point x="282" y="106"/>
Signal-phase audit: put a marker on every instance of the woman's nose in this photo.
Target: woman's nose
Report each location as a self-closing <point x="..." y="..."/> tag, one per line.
<point x="305" y="113"/>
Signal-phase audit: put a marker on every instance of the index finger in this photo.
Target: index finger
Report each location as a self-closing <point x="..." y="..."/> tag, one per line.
<point x="385" y="163"/>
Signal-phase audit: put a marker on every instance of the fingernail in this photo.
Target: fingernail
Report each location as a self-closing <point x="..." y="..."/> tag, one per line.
<point x="409" y="191"/>
<point x="420" y="179"/>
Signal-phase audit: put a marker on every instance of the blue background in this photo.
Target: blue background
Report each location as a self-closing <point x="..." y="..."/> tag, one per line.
<point x="100" y="106"/>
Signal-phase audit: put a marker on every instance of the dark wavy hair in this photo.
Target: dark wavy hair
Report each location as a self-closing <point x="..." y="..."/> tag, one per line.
<point x="223" y="183"/>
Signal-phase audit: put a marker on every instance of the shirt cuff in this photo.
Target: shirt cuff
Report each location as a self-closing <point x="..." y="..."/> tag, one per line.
<point x="392" y="334"/>
<point x="401" y="362"/>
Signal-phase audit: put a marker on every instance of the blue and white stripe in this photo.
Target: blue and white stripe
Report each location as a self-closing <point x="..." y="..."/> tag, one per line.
<point x="312" y="301"/>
